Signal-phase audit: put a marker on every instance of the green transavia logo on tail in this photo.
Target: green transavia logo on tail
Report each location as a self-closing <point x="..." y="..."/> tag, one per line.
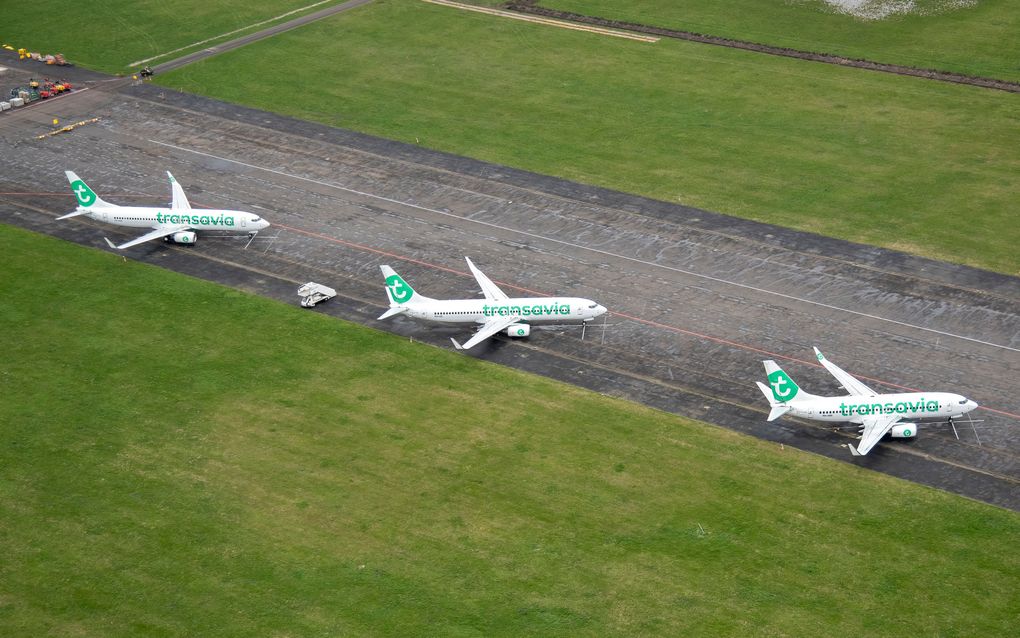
<point x="399" y="291"/>
<point x="83" y="193"/>
<point x="783" y="387"/>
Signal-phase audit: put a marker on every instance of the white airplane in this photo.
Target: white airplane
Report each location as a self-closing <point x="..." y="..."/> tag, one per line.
<point x="495" y="313"/>
<point x="177" y="223"/>
<point x="877" y="414"/>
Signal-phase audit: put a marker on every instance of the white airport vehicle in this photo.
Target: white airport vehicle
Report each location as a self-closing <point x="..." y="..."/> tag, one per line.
<point x="177" y="223"/>
<point x="496" y="313"/>
<point x="877" y="414"/>
<point x="313" y="293"/>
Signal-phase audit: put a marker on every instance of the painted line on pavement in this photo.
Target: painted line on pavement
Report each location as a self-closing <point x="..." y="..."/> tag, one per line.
<point x="590" y="249"/>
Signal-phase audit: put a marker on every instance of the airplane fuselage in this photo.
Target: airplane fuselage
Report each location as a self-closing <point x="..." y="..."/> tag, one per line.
<point x="909" y="406"/>
<point x="145" y="217"/>
<point x="529" y="309"/>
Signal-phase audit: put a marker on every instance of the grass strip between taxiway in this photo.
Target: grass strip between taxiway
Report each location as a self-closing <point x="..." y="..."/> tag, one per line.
<point x="228" y="473"/>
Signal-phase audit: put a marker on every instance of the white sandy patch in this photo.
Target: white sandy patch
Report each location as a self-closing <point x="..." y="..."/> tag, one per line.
<point x="878" y="9"/>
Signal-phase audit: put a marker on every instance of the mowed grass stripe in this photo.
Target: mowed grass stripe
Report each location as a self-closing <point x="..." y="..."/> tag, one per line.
<point x="110" y="35"/>
<point x="899" y="162"/>
<point x="179" y="458"/>
<point x="978" y="38"/>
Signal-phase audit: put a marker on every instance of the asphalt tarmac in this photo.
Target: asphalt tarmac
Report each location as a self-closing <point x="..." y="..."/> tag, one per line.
<point x="696" y="299"/>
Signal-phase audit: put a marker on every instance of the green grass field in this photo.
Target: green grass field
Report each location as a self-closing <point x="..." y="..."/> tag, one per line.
<point x="923" y="167"/>
<point x="178" y="458"/>
<point x="920" y="166"/>
<point x="981" y="39"/>
<point x="110" y="35"/>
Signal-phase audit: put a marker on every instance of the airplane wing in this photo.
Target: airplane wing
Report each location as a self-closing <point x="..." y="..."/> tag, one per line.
<point x="847" y="380"/>
<point x="489" y="328"/>
<point x="180" y="200"/>
<point x="491" y="290"/>
<point x="162" y="231"/>
<point x="875" y="428"/>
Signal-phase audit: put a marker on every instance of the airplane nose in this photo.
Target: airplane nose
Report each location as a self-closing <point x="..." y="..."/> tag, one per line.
<point x="971" y="405"/>
<point x="600" y="310"/>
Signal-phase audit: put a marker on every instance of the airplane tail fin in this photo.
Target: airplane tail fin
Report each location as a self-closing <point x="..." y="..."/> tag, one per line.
<point x="87" y="198"/>
<point x="783" y="388"/>
<point x="778" y="409"/>
<point x="400" y="293"/>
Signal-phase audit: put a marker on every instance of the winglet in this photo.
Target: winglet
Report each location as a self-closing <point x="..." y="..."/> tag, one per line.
<point x="455" y="344"/>
<point x="764" y="390"/>
<point x="853" y="450"/>
<point x="111" y="244"/>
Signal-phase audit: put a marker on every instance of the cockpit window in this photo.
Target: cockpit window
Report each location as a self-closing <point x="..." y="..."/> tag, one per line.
<point x="593" y="305"/>
<point x="963" y="401"/>
<point x="257" y="219"/>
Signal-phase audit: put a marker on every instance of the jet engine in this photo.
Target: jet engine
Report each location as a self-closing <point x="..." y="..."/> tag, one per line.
<point x="518" y="330"/>
<point x="183" y="237"/>
<point x="903" y="431"/>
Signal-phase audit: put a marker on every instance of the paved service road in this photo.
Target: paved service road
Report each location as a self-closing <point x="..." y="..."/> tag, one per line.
<point x="696" y="299"/>
<point x="265" y="33"/>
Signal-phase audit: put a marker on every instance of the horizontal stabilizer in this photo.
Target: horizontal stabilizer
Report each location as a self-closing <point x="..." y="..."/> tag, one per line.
<point x="74" y="214"/>
<point x="395" y="310"/>
<point x="778" y="411"/>
<point x="766" y="392"/>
